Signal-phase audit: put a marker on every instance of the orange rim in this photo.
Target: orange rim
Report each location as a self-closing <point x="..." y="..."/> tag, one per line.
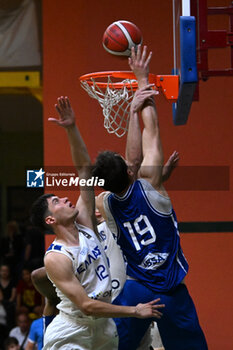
<point x="168" y="84"/>
<point x="115" y="74"/>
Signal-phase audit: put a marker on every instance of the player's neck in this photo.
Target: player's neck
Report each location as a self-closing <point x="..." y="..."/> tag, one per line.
<point x="67" y="234"/>
<point x="121" y="194"/>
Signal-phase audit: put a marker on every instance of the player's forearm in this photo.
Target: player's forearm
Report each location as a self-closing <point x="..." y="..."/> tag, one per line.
<point x="152" y="164"/>
<point x="101" y="309"/>
<point x="151" y="135"/>
<point x="134" y="142"/>
<point x="143" y="81"/>
<point x="78" y="148"/>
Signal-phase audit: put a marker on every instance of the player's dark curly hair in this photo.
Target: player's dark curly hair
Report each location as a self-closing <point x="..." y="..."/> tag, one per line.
<point x="39" y="211"/>
<point x="112" y="168"/>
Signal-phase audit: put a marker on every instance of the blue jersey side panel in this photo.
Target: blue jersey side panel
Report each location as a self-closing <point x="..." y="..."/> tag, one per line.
<point x="149" y="240"/>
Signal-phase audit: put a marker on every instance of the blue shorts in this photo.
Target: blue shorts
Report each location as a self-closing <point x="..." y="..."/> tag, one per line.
<point x="179" y="326"/>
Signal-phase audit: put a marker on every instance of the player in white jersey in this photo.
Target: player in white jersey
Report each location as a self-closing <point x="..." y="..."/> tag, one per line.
<point x="83" y="283"/>
<point x="90" y="266"/>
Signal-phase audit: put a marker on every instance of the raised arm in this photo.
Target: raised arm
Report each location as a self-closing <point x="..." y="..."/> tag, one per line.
<point x="152" y="163"/>
<point x="133" y="152"/>
<point x="66" y="281"/>
<point x="81" y="160"/>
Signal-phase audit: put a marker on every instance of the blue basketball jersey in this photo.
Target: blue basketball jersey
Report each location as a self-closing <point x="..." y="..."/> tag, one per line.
<point x="147" y="233"/>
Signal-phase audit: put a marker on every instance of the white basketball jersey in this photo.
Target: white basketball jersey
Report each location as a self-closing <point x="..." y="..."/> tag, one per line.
<point x="90" y="267"/>
<point x="115" y="257"/>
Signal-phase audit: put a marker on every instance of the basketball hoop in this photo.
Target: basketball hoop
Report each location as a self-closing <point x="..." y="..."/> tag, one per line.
<point x="114" y="90"/>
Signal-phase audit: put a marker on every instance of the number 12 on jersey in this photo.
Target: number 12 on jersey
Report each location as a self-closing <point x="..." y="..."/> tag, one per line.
<point x="144" y="221"/>
<point x="101" y="272"/>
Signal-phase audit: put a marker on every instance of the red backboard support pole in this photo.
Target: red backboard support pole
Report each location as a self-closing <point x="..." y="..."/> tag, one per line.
<point x="212" y="39"/>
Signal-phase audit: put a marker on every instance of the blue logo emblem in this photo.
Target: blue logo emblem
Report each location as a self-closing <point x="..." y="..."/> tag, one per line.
<point x="35" y="178"/>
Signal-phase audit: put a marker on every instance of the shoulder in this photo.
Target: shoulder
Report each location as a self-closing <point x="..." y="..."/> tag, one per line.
<point x="159" y="200"/>
<point x="58" y="266"/>
<point x="53" y="259"/>
<point x="14" y="331"/>
<point x="36" y="323"/>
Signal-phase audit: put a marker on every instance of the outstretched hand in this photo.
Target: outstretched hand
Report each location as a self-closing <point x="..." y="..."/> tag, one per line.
<point x="65" y="112"/>
<point x="173" y="160"/>
<point x="171" y="164"/>
<point x="141" y="95"/>
<point x="139" y="63"/>
<point x="149" y="309"/>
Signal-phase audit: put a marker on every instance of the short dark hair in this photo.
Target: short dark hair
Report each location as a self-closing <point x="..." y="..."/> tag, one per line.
<point x="10" y="341"/>
<point x="39" y="211"/>
<point x="112" y="168"/>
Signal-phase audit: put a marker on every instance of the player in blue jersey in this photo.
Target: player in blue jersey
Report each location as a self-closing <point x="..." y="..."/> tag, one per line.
<point x="140" y="213"/>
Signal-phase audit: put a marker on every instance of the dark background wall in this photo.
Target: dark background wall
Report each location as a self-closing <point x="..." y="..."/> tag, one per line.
<point x="72" y="46"/>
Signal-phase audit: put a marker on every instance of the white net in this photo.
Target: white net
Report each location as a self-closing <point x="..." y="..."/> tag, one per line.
<point x="115" y="103"/>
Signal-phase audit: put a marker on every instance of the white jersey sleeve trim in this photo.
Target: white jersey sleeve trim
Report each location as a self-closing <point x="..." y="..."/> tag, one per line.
<point x="60" y="249"/>
<point x="156" y="200"/>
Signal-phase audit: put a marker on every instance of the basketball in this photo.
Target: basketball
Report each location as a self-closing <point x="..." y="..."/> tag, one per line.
<point x="120" y="37"/>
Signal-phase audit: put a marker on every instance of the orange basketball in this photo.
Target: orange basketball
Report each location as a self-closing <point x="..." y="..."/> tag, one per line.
<point x="120" y="37"/>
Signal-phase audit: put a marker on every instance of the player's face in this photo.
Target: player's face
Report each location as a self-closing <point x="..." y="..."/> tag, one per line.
<point x="62" y="209"/>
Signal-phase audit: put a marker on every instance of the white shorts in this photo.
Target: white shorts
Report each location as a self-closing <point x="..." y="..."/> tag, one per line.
<point x="70" y="333"/>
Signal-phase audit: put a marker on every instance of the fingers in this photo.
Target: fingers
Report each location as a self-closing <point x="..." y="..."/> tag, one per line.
<point x="53" y="120"/>
<point x="58" y="109"/>
<point x="147" y="87"/>
<point x="148" y="59"/>
<point x="146" y="94"/>
<point x="157" y="306"/>
<point x="133" y="54"/>
<point x="130" y="62"/>
<point x="139" y="56"/>
<point x="175" y="154"/>
<point x="157" y="315"/>
<point x="62" y="103"/>
<point x="174" y="158"/>
<point x="152" y="302"/>
<point x="67" y="102"/>
<point x="157" y="312"/>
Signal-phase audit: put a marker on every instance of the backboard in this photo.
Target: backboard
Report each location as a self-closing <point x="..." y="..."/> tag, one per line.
<point x="184" y="58"/>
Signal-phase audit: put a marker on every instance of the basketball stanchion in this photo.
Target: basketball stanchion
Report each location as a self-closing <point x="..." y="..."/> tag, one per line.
<point x="114" y="90"/>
